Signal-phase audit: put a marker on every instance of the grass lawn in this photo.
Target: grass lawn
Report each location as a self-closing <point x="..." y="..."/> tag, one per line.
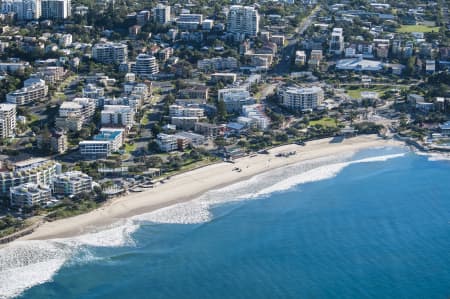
<point x="326" y="122"/>
<point x="356" y="93"/>
<point x="130" y="147"/>
<point x="416" y="28"/>
<point x="144" y="120"/>
<point x="32" y="118"/>
<point x="60" y="96"/>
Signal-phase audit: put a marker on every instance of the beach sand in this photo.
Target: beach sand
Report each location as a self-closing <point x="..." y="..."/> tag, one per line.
<point x="189" y="185"/>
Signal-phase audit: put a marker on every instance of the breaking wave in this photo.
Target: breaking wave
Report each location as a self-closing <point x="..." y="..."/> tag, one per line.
<point x="24" y="264"/>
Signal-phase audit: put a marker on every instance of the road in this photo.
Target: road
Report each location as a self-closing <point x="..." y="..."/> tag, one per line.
<point x="288" y="53"/>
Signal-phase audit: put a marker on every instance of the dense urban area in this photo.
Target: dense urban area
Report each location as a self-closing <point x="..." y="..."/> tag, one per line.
<point x="103" y="98"/>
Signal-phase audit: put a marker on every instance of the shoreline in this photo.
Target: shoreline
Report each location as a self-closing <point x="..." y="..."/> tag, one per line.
<point x="192" y="184"/>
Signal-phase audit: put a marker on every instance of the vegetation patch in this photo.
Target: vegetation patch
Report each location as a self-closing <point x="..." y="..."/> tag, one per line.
<point x="324" y="122"/>
<point x="417" y="28"/>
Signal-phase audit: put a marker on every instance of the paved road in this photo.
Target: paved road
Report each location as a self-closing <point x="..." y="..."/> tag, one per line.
<point x="288" y="53"/>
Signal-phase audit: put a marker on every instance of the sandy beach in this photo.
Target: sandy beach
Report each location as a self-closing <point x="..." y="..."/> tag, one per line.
<point x="189" y="185"/>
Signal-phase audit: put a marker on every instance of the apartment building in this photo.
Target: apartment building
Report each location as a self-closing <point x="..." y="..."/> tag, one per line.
<point x="34" y="90"/>
<point x="243" y="20"/>
<point x="301" y="98"/>
<point x="29" y="194"/>
<point x="161" y="14"/>
<point x="146" y="65"/>
<point x="117" y="116"/>
<point x="7" y="120"/>
<point x="110" y="53"/>
<point x="71" y="183"/>
<point x="38" y="171"/>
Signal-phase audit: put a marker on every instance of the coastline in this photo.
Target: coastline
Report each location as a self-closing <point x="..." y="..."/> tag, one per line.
<point x="190" y="185"/>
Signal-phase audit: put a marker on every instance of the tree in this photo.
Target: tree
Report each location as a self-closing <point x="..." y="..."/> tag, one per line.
<point x="221" y="110"/>
<point x="45" y="141"/>
<point x="154" y="162"/>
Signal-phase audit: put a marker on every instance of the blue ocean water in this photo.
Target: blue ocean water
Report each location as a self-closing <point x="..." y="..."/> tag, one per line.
<point x="377" y="229"/>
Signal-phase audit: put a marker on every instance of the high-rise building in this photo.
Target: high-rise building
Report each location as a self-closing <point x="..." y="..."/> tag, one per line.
<point x="161" y="14"/>
<point x="243" y="20"/>
<point x="110" y="53"/>
<point x="337" y="41"/>
<point x="56" y="9"/>
<point x="7" y="120"/>
<point x="301" y="98"/>
<point x="25" y="9"/>
<point x="145" y="65"/>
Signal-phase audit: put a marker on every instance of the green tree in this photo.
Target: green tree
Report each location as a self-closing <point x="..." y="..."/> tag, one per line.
<point x="221" y="111"/>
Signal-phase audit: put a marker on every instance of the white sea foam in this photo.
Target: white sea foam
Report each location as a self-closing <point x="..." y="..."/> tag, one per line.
<point x="25" y="264"/>
<point x="118" y="234"/>
<point x="435" y="156"/>
<point x="29" y="263"/>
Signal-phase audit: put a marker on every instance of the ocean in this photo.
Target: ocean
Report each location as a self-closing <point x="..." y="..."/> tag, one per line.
<point x="371" y="224"/>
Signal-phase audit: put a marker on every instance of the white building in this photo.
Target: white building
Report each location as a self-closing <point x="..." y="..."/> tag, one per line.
<point x="430" y="66"/>
<point x="145" y="65"/>
<point x="34" y="89"/>
<point x="300" y="57"/>
<point x="95" y="148"/>
<point x="359" y="64"/>
<point x="189" y="21"/>
<point x="177" y="110"/>
<point x="108" y="141"/>
<point x="166" y="142"/>
<point x="73" y="114"/>
<point x="51" y="74"/>
<point x="255" y="113"/>
<point x="207" y="24"/>
<point x="110" y="53"/>
<point x="118" y="115"/>
<point x="7" y="120"/>
<point x="56" y="9"/>
<point x="235" y="98"/>
<point x="29" y="194"/>
<point x="25" y="10"/>
<point x="337" y="41"/>
<point x="38" y="171"/>
<point x="161" y="14"/>
<point x="243" y="20"/>
<point x="301" y="98"/>
<point x="93" y="91"/>
<point x="192" y="138"/>
<point x="11" y="67"/>
<point x="65" y="40"/>
<point x="71" y="183"/>
<point x="217" y="63"/>
<point x="82" y="108"/>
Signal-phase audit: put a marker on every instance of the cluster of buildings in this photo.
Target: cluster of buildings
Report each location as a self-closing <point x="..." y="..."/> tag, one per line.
<point x="26" y="10"/>
<point x="35" y="182"/>
<point x="67" y="184"/>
